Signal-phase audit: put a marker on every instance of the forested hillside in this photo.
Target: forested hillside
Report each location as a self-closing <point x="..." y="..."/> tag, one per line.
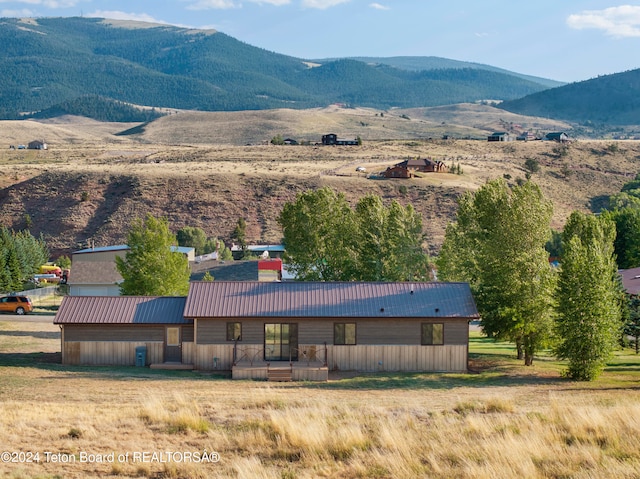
<point x="610" y="99"/>
<point x="48" y="63"/>
<point x="439" y="63"/>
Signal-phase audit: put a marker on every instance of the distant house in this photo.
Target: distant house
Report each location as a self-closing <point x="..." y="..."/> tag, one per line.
<point x="37" y="145"/>
<point x="290" y="141"/>
<point x="559" y="136"/>
<point x="270" y="250"/>
<point x="424" y="165"/>
<point x="397" y="172"/>
<point x="332" y="139"/>
<point x="94" y="273"/>
<point x="499" y="136"/>
<point x="94" y="278"/>
<point x="526" y="136"/>
<point x="407" y="168"/>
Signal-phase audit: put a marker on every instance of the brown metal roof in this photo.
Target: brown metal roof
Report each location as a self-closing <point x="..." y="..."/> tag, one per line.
<point x="219" y="299"/>
<point x="631" y="280"/>
<point x="121" y="310"/>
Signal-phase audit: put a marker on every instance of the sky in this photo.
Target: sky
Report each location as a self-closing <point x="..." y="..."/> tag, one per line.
<point x="564" y="40"/>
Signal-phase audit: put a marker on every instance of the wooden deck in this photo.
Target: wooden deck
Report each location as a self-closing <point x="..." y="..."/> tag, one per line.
<point x="281" y="371"/>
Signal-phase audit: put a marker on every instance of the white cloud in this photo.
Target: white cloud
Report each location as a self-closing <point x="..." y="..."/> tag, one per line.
<point x="622" y="21"/>
<point x="322" y="4"/>
<point x="44" y="3"/>
<point x="377" y="6"/>
<point x="117" y="15"/>
<point x="213" y="5"/>
<point x="25" y="12"/>
<point x="276" y="3"/>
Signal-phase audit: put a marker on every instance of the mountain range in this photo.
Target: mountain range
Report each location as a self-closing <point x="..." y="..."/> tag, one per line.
<point x="131" y="71"/>
<point x="51" y="64"/>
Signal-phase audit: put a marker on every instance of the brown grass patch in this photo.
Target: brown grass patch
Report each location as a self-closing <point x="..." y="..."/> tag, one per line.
<point x="475" y="425"/>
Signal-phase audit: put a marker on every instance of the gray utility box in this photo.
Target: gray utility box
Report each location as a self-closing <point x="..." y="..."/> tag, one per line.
<point x="141" y="356"/>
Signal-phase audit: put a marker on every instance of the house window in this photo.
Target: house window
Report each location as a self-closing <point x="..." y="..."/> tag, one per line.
<point x="234" y="331"/>
<point x="173" y="336"/>
<point x="344" y="333"/>
<point x="432" y="333"/>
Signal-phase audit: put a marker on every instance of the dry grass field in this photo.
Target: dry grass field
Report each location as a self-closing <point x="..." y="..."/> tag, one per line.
<point x="500" y="420"/>
<point x="209" y="169"/>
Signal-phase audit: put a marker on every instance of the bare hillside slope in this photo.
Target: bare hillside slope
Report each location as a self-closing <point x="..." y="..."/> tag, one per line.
<point x="90" y="183"/>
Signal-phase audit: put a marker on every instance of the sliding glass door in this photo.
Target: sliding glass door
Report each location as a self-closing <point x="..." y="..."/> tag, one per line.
<point x="280" y="341"/>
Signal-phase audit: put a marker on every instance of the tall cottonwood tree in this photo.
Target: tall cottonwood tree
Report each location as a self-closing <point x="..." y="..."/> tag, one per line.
<point x="327" y="240"/>
<point x="152" y="266"/>
<point x="497" y="244"/>
<point x="588" y="323"/>
<point x="627" y="238"/>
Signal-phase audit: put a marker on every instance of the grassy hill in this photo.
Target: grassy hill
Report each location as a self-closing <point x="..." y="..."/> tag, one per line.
<point x="48" y="63"/>
<point x="196" y="169"/>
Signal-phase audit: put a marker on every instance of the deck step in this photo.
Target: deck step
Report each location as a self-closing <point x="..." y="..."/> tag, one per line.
<point x="281" y="375"/>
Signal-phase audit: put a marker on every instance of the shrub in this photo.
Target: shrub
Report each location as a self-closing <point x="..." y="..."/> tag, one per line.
<point x="532" y="165"/>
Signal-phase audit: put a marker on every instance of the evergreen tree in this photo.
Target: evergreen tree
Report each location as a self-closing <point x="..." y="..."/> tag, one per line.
<point x="151" y="267"/>
<point x="588" y="322"/>
<point x="240" y="235"/>
<point x="21" y="257"/>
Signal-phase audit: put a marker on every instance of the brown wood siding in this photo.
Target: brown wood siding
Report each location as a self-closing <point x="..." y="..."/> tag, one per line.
<point x="110" y="353"/>
<point x="113" y="332"/>
<point x="371" y="358"/>
<point x="318" y="331"/>
<point x="187" y="333"/>
<point x="203" y="356"/>
<point x="213" y="331"/>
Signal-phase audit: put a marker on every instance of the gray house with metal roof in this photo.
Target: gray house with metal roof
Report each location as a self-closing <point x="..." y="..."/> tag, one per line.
<point x="295" y="330"/>
<point x="341" y="326"/>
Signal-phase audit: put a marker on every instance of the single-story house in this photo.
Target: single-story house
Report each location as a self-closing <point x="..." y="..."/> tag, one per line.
<point x="499" y="136"/>
<point x="424" y="165"/>
<point x="252" y="328"/>
<point x="94" y="273"/>
<point x="406" y="168"/>
<point x="397" y="172"/>
<point x="559" y="136"/>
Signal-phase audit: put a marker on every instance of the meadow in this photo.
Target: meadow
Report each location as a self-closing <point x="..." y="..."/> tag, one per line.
<point x="499" y="420"/>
